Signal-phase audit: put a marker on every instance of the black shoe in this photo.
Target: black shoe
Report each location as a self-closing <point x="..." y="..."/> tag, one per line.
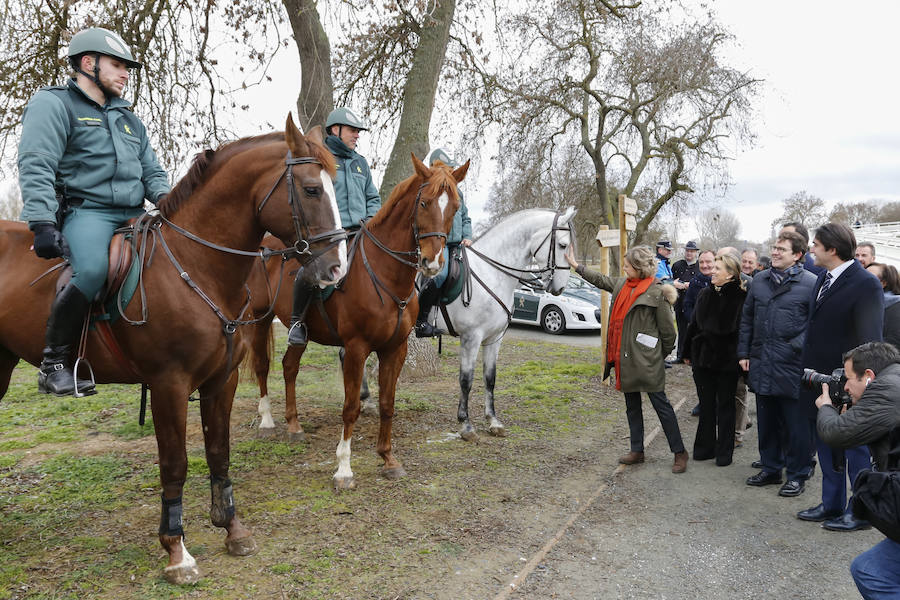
<point x="756" y="464"/>
<point x="817" y="514"/>
<point x="792" y="488"/>
<point x="695" y="412"/>
<point x="677" y="361"/>
<point x="67" y="315"/>
<point x="297" y="334"/>
<point x="426" y="329"/>
<point x="846" y="522"/>
<point x="762" y="478"/>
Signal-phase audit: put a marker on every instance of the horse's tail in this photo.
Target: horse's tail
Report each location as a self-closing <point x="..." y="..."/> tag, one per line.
<point x="257" y="344"/>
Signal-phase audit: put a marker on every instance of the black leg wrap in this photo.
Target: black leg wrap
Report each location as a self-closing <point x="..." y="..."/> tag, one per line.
<point x="221" y="509"/>
<point x="170" y="522"/>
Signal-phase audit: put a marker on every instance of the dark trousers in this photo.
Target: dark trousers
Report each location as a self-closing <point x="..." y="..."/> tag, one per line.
<point x="715" y="431"/>
<point x="834" y="483"/>
<point x="682" y="323"/>
<point x="664" y="411"/>
<point x="783" y="436"/>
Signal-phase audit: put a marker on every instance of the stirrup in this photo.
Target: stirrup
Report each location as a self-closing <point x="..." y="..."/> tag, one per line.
<point x="90" y="390"/>
<point x="302" y="337"/>
<point x="426" y="329"/>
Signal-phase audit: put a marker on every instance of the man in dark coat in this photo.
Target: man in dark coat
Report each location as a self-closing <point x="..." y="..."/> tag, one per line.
<point x="773" y="330"/>
<point x="848" y="310"/>
<point x="682" y="273"/>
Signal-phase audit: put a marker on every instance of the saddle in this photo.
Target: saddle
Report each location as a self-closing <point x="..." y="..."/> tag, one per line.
<point x="456" y="277"/>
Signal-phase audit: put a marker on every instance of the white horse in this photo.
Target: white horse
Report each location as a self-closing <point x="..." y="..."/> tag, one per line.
<point x="525" y="245"/>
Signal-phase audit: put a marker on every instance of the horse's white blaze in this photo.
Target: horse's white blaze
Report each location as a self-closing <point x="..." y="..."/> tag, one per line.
<point x="265" y="413"/>
<point x="187" y="564"/>
<point x="332" y="198"/>
<point x="443" y="200"/>
<point x="343" y="456"/>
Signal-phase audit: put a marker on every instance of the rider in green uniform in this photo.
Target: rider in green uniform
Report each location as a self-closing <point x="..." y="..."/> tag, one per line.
<point x="460" y="234"/>
<point x="85" y="168"/>
<point x="357" y="199"/>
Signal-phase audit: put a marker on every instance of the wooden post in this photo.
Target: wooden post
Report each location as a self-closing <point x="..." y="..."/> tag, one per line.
<point x="604" y="306"/>
<point x="623" y="240"/>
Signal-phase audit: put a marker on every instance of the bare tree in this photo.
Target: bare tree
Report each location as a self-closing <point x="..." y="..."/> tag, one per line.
<point x="718" y="227"/>
<point x="650" y="102"/>
<point x="802" y="207"/>
<point x="316" y="86"/>
<point x="851" y="212"/>
<point x="10" y="203"/>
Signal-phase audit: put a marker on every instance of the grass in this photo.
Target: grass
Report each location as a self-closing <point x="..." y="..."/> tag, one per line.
<point x="79" y="487"/>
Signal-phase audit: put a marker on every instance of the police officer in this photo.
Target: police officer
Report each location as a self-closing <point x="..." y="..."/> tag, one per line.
<point x="460" y="234"/>
<point x="357" y="199"/>
<point x="82" y="145"/>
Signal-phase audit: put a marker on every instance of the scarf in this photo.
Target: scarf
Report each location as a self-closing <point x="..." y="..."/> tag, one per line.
<point x="779" y="276"/>
<point x="627" y="295"/>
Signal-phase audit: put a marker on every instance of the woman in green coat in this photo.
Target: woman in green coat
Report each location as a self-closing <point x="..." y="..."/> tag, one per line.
<point x="640" y="334"/>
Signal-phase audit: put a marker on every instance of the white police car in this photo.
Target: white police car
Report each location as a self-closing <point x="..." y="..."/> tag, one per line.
<point x="578" y="307"/>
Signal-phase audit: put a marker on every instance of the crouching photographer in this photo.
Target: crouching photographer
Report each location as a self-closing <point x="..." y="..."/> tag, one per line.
<point x="873" y="383"/>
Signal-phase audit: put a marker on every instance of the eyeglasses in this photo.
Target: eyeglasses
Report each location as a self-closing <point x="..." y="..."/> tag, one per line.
<point x="780" y="249"/>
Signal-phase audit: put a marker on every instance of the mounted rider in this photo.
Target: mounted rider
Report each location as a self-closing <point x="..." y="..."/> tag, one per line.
<point x="357" y="199"/>
<point x="85" y="168"/>
<point x="460" y="234"/>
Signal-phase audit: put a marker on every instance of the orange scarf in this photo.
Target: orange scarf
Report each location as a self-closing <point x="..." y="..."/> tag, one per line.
<point x="627" y="295"/>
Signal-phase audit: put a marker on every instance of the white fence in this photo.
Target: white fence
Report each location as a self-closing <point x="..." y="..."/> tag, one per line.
<point x="885" y="237"/>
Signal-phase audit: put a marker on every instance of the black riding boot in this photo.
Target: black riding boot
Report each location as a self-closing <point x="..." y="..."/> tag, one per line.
<point x="63" y="329"/>
<point x="428" y="297"/>
<point x="303" y="292"/>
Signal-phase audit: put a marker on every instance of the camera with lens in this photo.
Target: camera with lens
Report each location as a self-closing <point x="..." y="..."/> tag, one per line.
<point x="813" y="381"/>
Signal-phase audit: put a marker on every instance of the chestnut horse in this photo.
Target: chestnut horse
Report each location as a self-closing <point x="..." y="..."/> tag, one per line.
<point x="193" y="294"/>
<point x="372" y="310"/>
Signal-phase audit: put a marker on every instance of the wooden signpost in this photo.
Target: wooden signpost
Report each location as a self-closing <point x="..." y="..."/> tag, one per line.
<point x="627" y="222"/>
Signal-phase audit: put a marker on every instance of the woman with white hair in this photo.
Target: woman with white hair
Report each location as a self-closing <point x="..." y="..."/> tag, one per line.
<point x="641" y="333"/>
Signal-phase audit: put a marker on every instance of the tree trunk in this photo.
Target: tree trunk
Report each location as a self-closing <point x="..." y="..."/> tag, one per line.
<point x="316" y="98"/>
<point x="418" y="95"/>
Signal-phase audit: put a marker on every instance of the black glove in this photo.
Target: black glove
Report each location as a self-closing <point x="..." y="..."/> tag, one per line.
<point x="48" y="241"/>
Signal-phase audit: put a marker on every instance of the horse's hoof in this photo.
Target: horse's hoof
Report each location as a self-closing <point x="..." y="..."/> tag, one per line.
<point x="393" y="473"/>
<point x="265" y="433"/>
<point x="467" y="432"/>
<point x="182" y="574"/>
<point x="498" y="431"/>
<point x="369" y="408"/>
<point x="342" y="484"/>
<point x="296" y="437"/>
<point x="244" y="546"/>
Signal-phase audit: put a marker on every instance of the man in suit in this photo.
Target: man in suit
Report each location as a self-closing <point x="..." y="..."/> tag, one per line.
<point x="847" y="311"/>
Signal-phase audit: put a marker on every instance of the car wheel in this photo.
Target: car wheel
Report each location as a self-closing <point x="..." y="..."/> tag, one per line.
<point x="553" y="321"/>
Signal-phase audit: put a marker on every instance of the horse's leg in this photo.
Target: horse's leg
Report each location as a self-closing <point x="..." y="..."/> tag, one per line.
<point x="168" y="403"/>
<point x="215" y="410"/>
<point x="489" y="353"/>
<point x="354" y="362"/>
<point x="468" y="352"/>
<point x="262" y="333"/>
<point x="8" y="362"/>
<point x="390" y="362"/>
<point x="369" y="408"/>
<point x="291" y="365"/>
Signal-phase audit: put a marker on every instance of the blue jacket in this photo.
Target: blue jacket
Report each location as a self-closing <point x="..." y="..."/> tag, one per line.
<point x="462" y="224"/>
<point x="663" y="270"/>
<point x="773" y="331"/>
<point x="697" y="284"/>
<point x="100" y="154"/>
<point x="356" y="194"/>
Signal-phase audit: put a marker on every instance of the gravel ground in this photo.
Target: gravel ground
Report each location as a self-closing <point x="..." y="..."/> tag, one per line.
<point x="702" y="535"/>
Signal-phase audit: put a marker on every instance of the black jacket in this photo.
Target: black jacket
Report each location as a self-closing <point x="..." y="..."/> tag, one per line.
<point x="712" y="336"/>
<point x="870" y="421"/>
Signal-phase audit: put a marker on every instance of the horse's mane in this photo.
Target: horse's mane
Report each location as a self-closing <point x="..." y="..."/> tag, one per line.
<point x="207" y="162"/>
<point x="441" y="178"/>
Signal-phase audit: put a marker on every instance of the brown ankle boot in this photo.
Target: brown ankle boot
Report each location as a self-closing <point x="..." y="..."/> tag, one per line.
<point x="632" y="458"/>
<point x="680" y="465"/>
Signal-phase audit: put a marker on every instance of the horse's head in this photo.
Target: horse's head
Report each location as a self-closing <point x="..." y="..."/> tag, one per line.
<point x="549" y="251"/>
<point x="437" y="201"/>
<point x="306" y="213"/>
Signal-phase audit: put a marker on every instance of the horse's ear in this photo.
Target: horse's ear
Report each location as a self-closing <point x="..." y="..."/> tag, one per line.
<point x="568" y="215"/>
<point x="295" y="140"/>
<point x="315" y="135"/>
<point x="422" y="171"/>
<point x="460" y="173"/>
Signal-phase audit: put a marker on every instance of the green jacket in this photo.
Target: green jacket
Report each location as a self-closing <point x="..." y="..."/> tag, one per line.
<point x="100" y="154"/>
<point x="462" y="224"/>
<point x="643" y="368"/>
<point x="357" y="196"/>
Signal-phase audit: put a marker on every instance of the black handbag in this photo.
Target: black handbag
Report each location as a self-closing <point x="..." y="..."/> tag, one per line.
<point x="876" y="494"/>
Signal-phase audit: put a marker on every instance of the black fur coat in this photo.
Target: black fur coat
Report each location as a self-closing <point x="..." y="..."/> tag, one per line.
<point x="712" y="336"/>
